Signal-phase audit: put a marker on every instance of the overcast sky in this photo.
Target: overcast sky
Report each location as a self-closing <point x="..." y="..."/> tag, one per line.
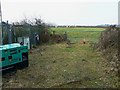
<point x="62" y="12"/>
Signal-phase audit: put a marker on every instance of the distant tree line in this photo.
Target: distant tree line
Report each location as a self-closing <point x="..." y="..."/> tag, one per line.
<point x="80" y="26"/>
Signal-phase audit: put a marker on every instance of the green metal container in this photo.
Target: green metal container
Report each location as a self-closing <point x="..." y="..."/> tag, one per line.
<point x="13" y="55"/>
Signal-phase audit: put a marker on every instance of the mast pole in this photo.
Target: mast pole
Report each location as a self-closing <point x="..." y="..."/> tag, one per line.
<point x="1" y="31"/>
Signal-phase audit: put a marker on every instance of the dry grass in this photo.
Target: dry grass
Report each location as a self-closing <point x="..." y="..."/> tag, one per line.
<point x="77" y="66"/>
<point x="62" y="65"/>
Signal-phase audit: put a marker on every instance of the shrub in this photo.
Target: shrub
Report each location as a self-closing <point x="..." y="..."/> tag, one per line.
<point x="109" y="46"/>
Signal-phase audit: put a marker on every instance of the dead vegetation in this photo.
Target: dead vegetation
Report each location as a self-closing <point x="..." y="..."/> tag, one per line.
<point x="109" y="46"/>
<point x="64" y="65"/>
<point x="61" y="67"/>
<point x="57" y="38"/>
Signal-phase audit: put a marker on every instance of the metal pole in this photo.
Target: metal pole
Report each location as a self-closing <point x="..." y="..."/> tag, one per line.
<point x="30" y="34"/>
<point x="119" y="14"/>
<point x="9" y="33"/>
<point x="13" y="27"/>
<point x="1" y="42"/>
<point x="1" y="39"/>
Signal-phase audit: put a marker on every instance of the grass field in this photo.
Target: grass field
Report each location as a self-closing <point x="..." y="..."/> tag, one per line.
<point x="76" y="34"/>
<point x="76" y="67"/>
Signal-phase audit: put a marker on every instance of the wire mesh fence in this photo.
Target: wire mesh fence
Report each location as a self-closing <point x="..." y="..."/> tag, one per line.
<point x="32" y="34"/>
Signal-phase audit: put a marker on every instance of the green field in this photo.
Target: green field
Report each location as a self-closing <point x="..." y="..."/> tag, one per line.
<point x="59" y="66"/>
<point x="77" y="34"/>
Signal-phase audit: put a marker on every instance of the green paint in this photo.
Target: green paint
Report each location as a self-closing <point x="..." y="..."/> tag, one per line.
<point x="11" y="50"/>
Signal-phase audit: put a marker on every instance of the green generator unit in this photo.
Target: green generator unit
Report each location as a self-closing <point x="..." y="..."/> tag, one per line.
<point x="13" y="56"/>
